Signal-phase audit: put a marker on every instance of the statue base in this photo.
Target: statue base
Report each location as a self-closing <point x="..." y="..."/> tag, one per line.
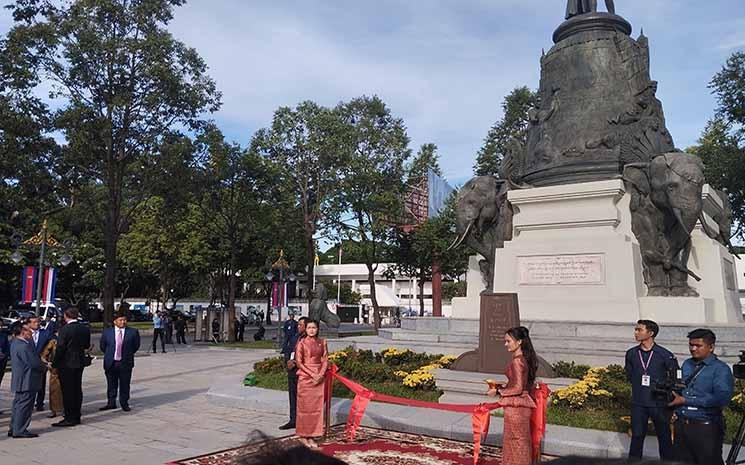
<point x="591" y="22"/>
<point x="573" y="257"/>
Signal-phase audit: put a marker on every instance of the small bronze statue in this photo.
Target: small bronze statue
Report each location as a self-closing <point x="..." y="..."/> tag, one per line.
<point x="580" y="7"/>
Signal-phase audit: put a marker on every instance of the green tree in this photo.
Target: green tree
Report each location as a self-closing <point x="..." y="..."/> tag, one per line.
<point x="122" y="82"/>
<point x="426" y="158"/>
<point x="512" y="125"/>
<point x="303" y="143"/>
<point x="721" y="145"/>
<point x="372" y="184"/>
<point x="729" y="87"/>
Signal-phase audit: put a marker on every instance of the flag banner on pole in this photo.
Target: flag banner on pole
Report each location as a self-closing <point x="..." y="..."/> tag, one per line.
<point x="285" y="299"/>
<point x="50" y="285"/>
<point x="28" y="284"/>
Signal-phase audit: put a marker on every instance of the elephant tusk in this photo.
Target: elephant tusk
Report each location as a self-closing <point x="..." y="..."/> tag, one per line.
<point x="679" y="217"/>
<point x="458" y="240"/>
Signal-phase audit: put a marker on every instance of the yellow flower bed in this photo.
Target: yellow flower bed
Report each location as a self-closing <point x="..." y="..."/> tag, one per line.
<point x="577" y="394"/>
<point x="336" y="357"/>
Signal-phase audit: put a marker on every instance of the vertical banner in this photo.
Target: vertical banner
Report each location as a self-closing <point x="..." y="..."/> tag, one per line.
<point x="49" y="286"/>
<point x="285" y="299"/>
<point x="28" y="284"/>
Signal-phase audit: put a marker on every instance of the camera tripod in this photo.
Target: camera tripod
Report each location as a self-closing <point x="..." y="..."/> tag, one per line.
<point x="737" y="443"/>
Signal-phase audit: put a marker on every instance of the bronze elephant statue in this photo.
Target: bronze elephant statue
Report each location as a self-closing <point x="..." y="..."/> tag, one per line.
<point x="484" y="220"/>
<point x="665" y="207"/>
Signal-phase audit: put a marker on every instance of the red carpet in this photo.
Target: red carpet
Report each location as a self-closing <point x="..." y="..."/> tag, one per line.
<point x="373" y="447"/>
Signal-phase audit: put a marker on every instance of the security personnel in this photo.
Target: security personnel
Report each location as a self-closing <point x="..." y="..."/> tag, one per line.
<point x="647" y="364"/>
<point x="699" y="427"/>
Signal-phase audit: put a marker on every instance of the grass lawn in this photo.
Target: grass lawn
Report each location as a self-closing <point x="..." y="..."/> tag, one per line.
<point x="98" y="325"/>
<point x="250" y="345"/>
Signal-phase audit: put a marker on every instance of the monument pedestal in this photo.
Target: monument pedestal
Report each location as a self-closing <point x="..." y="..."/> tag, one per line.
<point x="573" y="257"/>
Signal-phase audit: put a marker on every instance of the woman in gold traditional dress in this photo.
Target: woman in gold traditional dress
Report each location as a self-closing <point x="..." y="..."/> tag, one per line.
<point x="515" y="397"/>
<point x="311" y="357"/>
<point x="55" y="390"/>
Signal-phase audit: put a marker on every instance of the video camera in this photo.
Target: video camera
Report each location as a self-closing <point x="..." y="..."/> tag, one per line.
<point x="738" y="369"/>
<point x="663" y="390"/>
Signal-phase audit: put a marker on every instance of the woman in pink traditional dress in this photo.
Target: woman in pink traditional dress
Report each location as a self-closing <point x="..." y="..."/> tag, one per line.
<point x="515" y="397"/>
<point x="311" y="357"/>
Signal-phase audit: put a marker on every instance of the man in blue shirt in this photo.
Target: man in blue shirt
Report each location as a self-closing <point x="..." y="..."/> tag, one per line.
<point x="158" y="332"/>
<point x="646" y="365"/>
<point x="288" y="350"/>
<point x="699" y="428"/>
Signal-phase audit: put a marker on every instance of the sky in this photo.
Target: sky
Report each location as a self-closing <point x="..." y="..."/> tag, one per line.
<point x="444" y="67"/>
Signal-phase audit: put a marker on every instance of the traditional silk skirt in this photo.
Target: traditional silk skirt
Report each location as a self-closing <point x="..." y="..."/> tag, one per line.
<point x="309" y="421"/>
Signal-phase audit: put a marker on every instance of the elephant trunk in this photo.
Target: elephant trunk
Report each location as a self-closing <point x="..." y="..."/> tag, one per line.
<point x="458" y="240"/>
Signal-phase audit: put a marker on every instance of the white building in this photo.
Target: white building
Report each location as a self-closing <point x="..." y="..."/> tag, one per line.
<point x="400" y="291"/>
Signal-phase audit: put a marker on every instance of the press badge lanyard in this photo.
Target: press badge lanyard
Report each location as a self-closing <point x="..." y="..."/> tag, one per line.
<point x="646" y="380"/>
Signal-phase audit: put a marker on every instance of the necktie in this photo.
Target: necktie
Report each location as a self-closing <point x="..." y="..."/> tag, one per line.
<point x="118" y="350"/>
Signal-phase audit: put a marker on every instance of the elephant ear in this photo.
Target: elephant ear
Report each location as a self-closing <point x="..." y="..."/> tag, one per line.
<point x="635" y="177"/>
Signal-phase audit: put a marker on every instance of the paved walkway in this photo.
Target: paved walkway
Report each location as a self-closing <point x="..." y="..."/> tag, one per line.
<point x="170" y="417"/>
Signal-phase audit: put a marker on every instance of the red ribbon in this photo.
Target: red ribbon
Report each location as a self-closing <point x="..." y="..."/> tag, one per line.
<point x="480" y="413"/>
<point x="538" y="418"/>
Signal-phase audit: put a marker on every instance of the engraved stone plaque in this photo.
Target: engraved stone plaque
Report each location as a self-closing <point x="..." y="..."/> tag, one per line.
<point x="553" y="270"/>
<point x="729" y="275"/>
<point x="499" y="312"/>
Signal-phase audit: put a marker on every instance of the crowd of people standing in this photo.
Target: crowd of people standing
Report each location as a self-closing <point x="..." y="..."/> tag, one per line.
<point x="61" y="352"/>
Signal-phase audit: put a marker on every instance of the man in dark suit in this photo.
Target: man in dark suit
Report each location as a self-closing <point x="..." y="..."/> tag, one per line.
<point x="73" y="341"/>
<point x="25" y="382"/>
<point x="119" y="345"/>
<point x="288" y="351"/>
<point x="40" y="338"/>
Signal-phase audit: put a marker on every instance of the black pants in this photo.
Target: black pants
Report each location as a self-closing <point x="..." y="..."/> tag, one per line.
<point x="118" y="379"/>
<point x="71" y="381"/>
<point x="699" y="443"/>
<point x="40" y="394"/>
<point x="180" y="337"/>
<point x="159" y="332"/>
<point x="292" y="385"/>
<point x="660" y="416"/>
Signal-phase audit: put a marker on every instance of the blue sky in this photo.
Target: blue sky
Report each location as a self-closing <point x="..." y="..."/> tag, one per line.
<point x="442" y="66"/>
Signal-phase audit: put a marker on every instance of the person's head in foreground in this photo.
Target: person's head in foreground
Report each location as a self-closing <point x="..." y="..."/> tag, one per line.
<point x="295" y="454"/>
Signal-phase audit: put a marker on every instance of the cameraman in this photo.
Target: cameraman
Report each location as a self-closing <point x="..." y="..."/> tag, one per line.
<point x="709" y="384"/>
<point x="647" y="366"/>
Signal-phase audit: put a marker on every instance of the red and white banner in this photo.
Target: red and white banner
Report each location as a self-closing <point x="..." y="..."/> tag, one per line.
<point x="28" y="284"/>
<point x="49" y="286"/>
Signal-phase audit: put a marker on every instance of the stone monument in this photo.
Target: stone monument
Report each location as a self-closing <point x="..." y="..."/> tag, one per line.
<point x="597" y="217"/>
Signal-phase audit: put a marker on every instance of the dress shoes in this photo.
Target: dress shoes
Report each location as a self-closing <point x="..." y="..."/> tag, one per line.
<point x="65" y="424"/>
<point x="288" y="425"/>
<point x="107" y="407"/>
<point x="126" y="408"/>
<point x="25" y="436"/>
<point x="52" y="415"/>
<point x="39" y="408"/>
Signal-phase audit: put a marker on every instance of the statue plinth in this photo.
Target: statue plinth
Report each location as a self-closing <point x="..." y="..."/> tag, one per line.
<point x="590" y="22"/>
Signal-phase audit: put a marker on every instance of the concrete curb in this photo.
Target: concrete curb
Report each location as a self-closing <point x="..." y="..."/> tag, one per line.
<point x="559" y="440"/>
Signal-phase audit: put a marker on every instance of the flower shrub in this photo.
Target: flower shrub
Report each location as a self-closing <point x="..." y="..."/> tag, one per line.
<point x="404" y="367"/>
<point x="270" y="365"/>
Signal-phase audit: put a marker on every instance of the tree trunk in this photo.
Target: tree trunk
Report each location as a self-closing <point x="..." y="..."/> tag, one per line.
<point x="421" y="294"/>
<point x="373" y="298"/>
<point x="109" y="280"/>
<point x="231" y="296"/>
<point x="310" y="256"/>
